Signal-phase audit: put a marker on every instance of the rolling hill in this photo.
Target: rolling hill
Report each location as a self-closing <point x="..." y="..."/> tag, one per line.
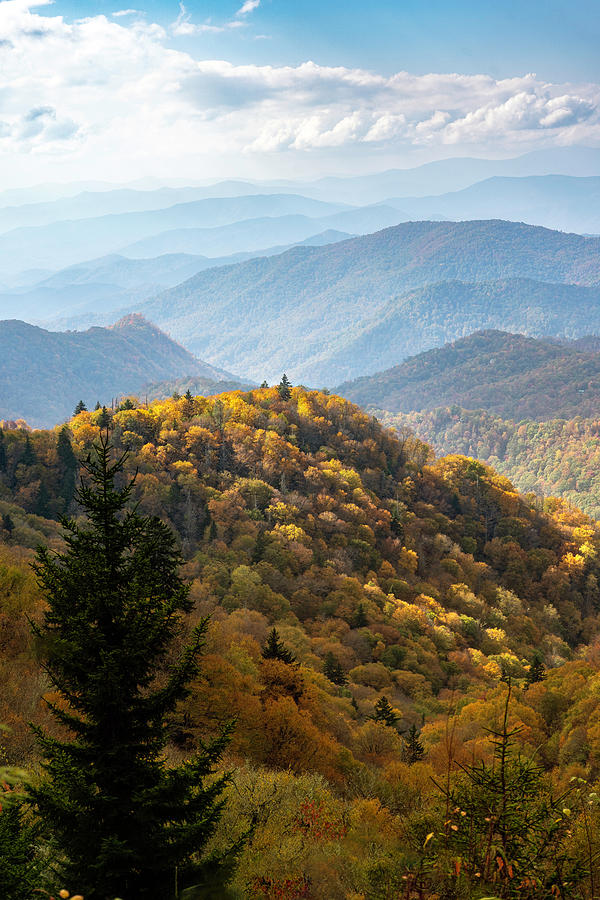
<point x="325" y="314"/>
<point x="509" y="375"/>
<point x="44" y="374"/>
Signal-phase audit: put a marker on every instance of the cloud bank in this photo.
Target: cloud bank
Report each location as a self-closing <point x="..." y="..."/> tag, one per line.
<point x="102" y="92"/>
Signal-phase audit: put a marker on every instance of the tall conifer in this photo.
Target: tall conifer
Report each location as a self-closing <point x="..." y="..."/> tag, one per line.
<point x="125" y="823"/>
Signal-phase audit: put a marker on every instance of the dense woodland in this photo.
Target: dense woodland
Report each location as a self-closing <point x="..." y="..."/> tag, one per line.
<point x="556" y="457"/>
<point x="423" y="722"/>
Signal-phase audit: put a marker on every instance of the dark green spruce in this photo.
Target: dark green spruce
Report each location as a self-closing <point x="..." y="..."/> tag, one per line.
<point x="274" y="648"/>
<point x="125" y="823"/>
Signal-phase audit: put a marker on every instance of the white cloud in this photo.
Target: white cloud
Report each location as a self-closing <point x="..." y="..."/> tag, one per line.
<point x="125" y="12"/>
<point x="184" y="27"/>
<point x="248" y="7"/>
<point x="111" y="97"/>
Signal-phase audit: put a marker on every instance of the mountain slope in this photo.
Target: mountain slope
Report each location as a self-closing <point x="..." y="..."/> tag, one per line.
<point x="294" y="311"/>
<point x="553" y="458"/>
<point x="510" y="375"/>
<point x="391" y="579"/>
<point x="44" y="374"/>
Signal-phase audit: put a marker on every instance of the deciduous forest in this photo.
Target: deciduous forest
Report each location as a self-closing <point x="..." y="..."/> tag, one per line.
<point x="399" y="664"/>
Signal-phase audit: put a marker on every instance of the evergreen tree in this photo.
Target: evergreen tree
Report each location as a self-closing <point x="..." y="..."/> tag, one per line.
<point x="264" y="384"/>
<point x="43" y="504"/>
<point x="333" y="670"/>
<point x="67" y="463"/>
<point x="103" y="420"/>
<point x="20" y="867"/>
<point x="97" y="406"/>
<point x="28" y="458"/>
<point x="2" y="451"/>
<point x="507" y="826"/>
<point x="284" y="388"/>
<point x="81" y="407"/>
<point x="359" y="619"/>
<point x="274" y="648"/>
<point x="413" y="749"/>
<point x="7" y="523"/>
<point x="125" y="824"/>
<point x="188" y="396"/>
<point x="384" y="713"/>
<point x="537" y="669"/>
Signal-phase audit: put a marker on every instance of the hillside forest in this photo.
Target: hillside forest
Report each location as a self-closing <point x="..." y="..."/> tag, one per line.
<point x="403" y="651"/>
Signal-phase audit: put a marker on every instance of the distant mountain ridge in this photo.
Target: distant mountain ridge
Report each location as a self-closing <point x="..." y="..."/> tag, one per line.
<point x="508" y="375"/>
<point x="66" y="242"/>
<point x="325" y="314"/>
<point x="554" y="201"/>
<point x="44" y="374"/>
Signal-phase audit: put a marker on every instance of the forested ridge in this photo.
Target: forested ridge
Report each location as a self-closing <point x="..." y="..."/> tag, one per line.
<point x="410" y="598"/>
<point x="511" y="375"/>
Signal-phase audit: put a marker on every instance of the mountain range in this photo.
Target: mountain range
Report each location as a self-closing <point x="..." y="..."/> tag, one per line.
<point x="44" y="374"/>
<point x="325" y="314"/>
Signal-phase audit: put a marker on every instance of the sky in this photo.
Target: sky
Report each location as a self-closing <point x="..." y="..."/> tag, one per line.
<point x="288" y="88"/>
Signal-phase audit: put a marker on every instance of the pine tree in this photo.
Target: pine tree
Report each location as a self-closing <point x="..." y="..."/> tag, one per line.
<point x="274" y="648"/>
<point x="20" y="867"/>
<point x="537" y="669"/>
<point x="384" y="713"/>
<point x="97" y="406"/>
<point x="413" y="749"/>
<point x="28" y="457"/>
<point x="284" y="387"/>
<point x="333" y="670"/>
<point x="188" y="396"/>
<point x="506" y="825"/>
<point x="125" y="824"/>
<point x="81" y="407"/>
<point x="67" y="462"/>
<point x="103" y="421"/>
<point x="7" y="523"/>
<point x="264" y="384"/>
<point x="359" y="619"/>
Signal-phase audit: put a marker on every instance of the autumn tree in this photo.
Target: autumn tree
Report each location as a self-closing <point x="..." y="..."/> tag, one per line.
<point x="124" y="822"/>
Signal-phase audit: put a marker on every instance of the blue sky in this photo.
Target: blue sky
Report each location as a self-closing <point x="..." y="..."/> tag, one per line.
<point x="263" y="88"/>
<point x="555" y="39"/>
